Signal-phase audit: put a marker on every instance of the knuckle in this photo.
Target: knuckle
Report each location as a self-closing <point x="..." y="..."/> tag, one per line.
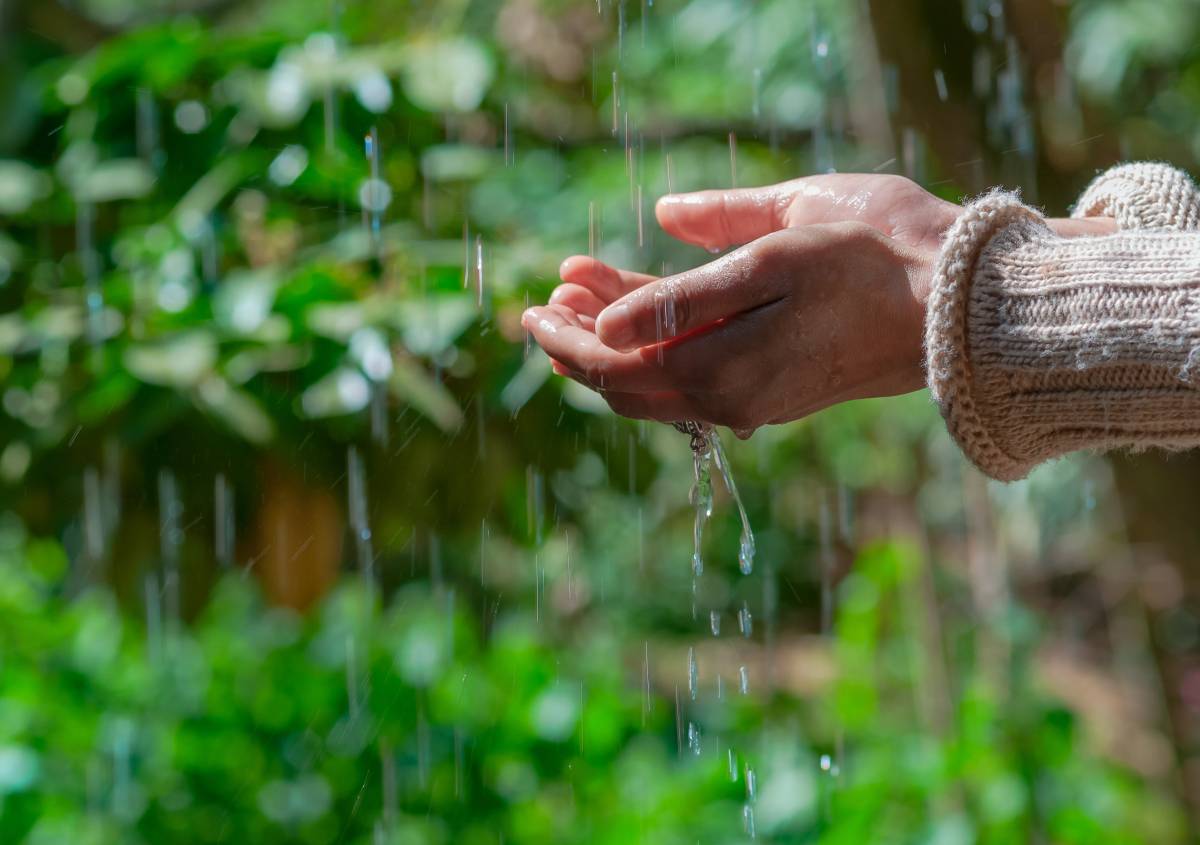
<point x="855" y="232"/>
<point x="769" y="253"/>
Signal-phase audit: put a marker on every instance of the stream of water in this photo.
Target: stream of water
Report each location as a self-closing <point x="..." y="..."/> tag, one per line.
<point x="707" y="449"/>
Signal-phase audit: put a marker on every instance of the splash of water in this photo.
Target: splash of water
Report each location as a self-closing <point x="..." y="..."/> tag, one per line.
<point x="702" y="501"/>
<point x="746" y="542"/>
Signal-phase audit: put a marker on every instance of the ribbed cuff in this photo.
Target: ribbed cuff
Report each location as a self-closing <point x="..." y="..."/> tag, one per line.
<point x="1143" y="195"/>
<point x="948" y="363"/>
<point x="1039" y="345"/>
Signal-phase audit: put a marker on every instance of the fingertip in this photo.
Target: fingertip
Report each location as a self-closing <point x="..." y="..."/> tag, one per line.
<point x="664" y="210"/>
<point x="569" y="265"/>
<point x="580" y="268"/>
<point x="685" y="217"/>
<point x="559" y="368"/>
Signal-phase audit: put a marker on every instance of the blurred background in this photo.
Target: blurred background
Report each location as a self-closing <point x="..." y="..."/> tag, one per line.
<point x="300" y="541"/>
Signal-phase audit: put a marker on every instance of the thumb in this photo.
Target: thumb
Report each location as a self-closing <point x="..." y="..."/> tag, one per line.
<point x="694" y="299"/>
<point x="722" y="218"/>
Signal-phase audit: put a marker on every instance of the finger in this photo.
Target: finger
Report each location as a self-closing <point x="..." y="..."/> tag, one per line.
<point x="718" y="219"/>
<point x="680" y="304"/>
<point x="663" y="405"/>
<point x="564" y="338"/>
<point x="577" y="320"/>
<point x="578" y="298"/>
<point x="606" y="282"/>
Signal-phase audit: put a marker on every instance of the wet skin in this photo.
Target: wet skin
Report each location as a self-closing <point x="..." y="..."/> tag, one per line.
<point x="822" y="302"/>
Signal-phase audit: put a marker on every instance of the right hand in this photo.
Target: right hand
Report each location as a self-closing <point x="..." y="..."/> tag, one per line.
<point x="897" y="207"/>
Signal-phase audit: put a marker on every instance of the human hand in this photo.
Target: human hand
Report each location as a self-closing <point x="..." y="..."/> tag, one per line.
<point x="829" y="307"/>
<point x="796" y="321"/>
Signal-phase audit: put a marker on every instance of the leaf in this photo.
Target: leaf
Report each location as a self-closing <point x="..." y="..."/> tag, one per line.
<point x="243" y="301"/>
<point x="336" y="320"/>
<point x="448" y="75"/>
<point x="525" y="383"/>
<point x="212" y="187"/>
<point x="12" y="333"/>
<point x="456" y="162"/>
<point x="430" y="325"/>
<point x="58" y="323"/>
<point x="236" y="408"/>
<point x="343" y="391"/>
<point x="21" y="186"/>
<point x="119" y="179"/>
<point x="248" y="363"/>
<point x="181" y="361"/>
<point x="412" y="384"/>
<point x="106" y="397"/>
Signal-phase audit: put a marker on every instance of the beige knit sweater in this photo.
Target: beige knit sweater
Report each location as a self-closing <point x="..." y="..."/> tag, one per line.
<point x="1037" y="345"/>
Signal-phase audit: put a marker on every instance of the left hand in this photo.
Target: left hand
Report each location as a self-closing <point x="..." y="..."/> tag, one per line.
<point x="795" y="321"/>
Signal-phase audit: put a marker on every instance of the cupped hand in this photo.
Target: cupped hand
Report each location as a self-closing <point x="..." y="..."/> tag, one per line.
<point x="795" y="321"/>
<point x="825" y="303"/>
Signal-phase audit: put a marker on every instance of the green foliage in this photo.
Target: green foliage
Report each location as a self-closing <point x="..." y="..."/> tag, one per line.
<point x="194" y="292"/>
<point x="404" y="720"/>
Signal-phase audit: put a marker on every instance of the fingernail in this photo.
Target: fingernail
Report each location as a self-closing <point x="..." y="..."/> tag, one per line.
<point x="614" y="326"/>
<point x="528" y="316"/>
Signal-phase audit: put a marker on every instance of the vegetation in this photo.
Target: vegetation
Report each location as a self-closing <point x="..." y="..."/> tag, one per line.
<point x="299" y="542"/>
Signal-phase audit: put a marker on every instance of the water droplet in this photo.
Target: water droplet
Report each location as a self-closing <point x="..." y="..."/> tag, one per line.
<point x="745" y="620"/>
<point x="748" y="820"/>
<point x="733" y="766"/>
<point x="746" y="553"/>
<point x="714" y="622"/>
<point x="357" y="505"/>
<point x="743" y="680"/>
<point x="694" y="738"/>
<point x="693" y="674"/>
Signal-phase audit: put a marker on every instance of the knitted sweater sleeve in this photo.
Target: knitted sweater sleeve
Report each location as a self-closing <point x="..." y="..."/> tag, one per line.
<point x="1038" y="345"/>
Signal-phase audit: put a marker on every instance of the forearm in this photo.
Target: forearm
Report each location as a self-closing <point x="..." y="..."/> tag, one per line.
<point x="1039" y="344"/>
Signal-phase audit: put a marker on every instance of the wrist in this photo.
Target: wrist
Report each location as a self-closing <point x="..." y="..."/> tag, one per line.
<point x="1082" y="227"/>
